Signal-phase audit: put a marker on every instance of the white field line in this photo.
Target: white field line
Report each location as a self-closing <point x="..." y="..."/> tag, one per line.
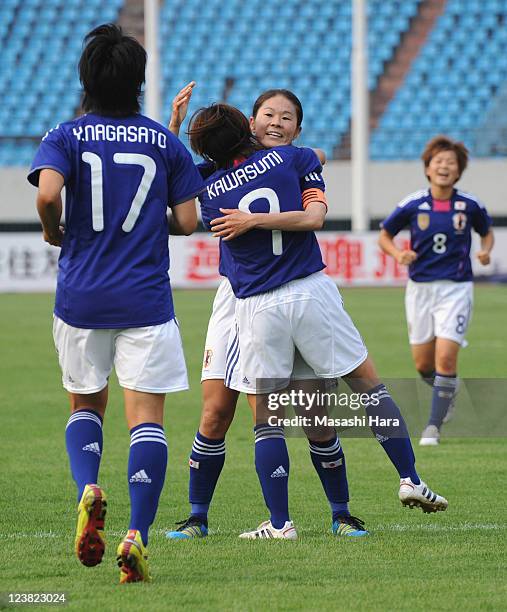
<point x="377" y="528"/>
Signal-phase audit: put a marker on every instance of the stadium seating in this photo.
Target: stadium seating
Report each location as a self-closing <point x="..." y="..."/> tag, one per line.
<point x="41" y="43"/>
<point x="452" y="85"/>
<point x="299" y="45"/>
<point x="241" y="48"/>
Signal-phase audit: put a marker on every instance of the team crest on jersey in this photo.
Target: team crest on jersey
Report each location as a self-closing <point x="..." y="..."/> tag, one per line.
<point x="423" y="221"/>
<point x="459" y="220"/>
<point x="460" y="205"/>
<point x="208" y="354"/>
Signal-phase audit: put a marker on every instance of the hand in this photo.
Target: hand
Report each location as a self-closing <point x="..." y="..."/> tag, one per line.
<point x="55" y="238"/>
<point x="233" y="224"/>
<point x="484" y="257"/>
<point x="406" y="257"/>
<point x="180" y="106"/>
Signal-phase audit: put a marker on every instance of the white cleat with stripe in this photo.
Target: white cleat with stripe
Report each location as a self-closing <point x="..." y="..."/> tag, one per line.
<point x="266" y="531"/>
<point x="420" y="496"/>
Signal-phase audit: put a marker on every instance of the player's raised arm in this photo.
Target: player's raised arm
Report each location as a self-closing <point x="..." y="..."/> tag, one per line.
<point x="49" y="205"/>
<point x="180" y="108"/>
<point x="386" y="243"/>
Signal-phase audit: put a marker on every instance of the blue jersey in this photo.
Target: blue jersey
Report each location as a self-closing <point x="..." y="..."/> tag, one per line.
<point x="120" y="176"/>
<point x="440" y="233"/>
<point x="270" y="180"/>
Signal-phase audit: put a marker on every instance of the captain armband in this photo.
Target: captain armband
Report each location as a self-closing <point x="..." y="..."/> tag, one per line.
<point x="313" y="195"/>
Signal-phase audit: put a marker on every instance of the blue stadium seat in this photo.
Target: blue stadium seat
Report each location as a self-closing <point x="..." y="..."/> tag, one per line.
<point x="42" y="40"/>
<point x="306" y="46"/>
<point x="460" y="70"/>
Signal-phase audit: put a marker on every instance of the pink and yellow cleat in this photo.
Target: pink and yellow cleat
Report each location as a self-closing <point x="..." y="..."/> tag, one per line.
<point x="90" y="541"/>
<point x="132" y="558"/>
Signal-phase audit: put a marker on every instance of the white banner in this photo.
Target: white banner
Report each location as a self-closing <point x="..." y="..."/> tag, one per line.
<point x="28" y="264"/>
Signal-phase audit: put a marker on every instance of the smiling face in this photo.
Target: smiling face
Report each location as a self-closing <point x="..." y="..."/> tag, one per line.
<point x="443" y="170"/>
<point x="276" y="122"/>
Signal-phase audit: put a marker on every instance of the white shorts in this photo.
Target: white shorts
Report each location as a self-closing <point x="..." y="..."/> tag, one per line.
<point x="148" y="359"/>
<point x="441" y="309"/>
<point x="221" y="323"/>
<point x="306" y="314"/>
<point x="219" y="327"/>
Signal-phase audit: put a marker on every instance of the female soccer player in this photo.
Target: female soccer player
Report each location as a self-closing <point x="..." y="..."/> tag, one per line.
<point x="276" y="120"/>
<point x="439" y="294"/>
<point x="285" y="300"/>
<point x="113" y="305"/>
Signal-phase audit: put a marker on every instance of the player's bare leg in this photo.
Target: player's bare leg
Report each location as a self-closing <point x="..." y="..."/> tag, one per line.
<point x="84" y="446"/>
<point x="444" y="390"/>
<point x="446" y="356"/>
<point x="146" y="474"/>
<point x="94" y="401"/>
<point x="424" y="360"/>
<point x="395" y="440"/>
<point x="207" y="456"/>
<point x="218" y="408"/>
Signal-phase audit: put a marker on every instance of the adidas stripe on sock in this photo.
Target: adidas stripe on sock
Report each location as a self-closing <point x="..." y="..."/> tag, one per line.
<point x="146" y="474"/>
<point x="395" y="440"/>
<point x="83" y="439"/>
<point x="444" y="389"/>
<point x="272" y="466"/>
<point x="206" y="462"/>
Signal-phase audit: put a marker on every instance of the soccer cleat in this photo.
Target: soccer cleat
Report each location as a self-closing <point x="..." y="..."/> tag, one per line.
<point x="430" y="436"/>
<point x="132" y="558"/>
<point x="90" y="542"/>
<point x="347" y="525"/>
<point x="420" y="496"/>
<point x="190" y="529"/>
<point x="266" y="530"/>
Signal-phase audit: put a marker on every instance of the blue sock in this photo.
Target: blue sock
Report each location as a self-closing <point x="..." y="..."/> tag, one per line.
<point x="329" y="462"/>
<point x="272" y="466"/>
<point x="83" y="439"/>
<point x="146" y="474"/>
<point x="394" y="440"/>
<point x="206" y="462"/>
<point x="444" y="389"/>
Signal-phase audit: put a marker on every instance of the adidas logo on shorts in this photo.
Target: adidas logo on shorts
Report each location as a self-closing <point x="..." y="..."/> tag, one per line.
<point x="140" y="476"/>
<point x="93" y="447"/>
<point x="279" y="472"/>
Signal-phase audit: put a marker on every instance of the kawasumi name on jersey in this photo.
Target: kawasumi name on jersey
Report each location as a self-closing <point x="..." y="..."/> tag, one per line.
<point x="244" y="174"/>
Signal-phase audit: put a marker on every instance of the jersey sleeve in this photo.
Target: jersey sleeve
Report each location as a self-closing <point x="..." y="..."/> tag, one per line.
<point x="53" y="153"/>
<point x="306" y="161"/>
<point x="481" y="221"/>
<point x="185" y="181"/>
<point x="397" y="220"/>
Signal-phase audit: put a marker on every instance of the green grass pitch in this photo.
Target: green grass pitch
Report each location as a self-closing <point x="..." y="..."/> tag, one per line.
<point x="453" y="560"/>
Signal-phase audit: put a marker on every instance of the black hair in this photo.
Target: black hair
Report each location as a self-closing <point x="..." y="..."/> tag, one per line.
<point x="112" y="71"/>
<point x="221" y="133"/>
<point x="286" y="93"/>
